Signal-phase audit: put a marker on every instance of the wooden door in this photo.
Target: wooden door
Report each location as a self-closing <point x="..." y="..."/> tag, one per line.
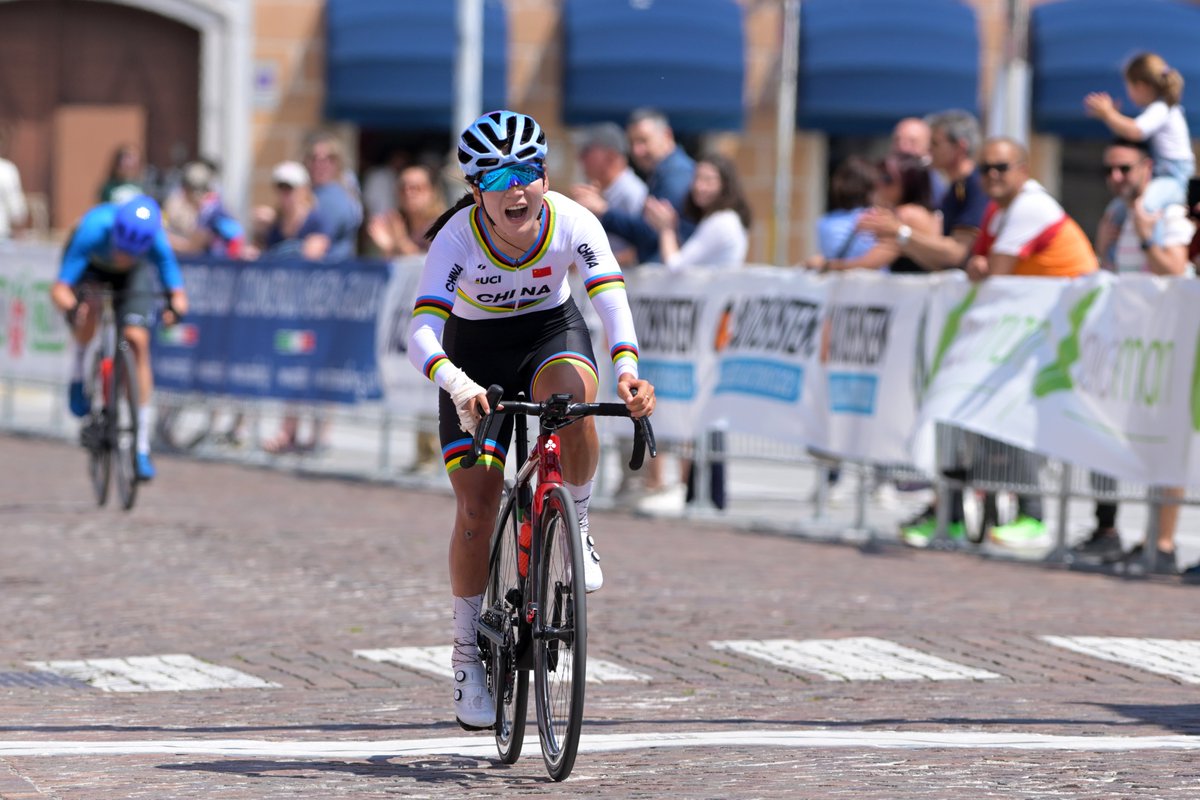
<point x="85" y="138"/>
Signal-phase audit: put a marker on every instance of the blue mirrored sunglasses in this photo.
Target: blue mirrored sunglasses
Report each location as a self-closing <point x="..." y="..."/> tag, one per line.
<point x="503" y="178"/>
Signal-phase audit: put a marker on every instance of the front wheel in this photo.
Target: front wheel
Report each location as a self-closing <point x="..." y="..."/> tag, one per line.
<point x="502" y="605"/>
<point x="123" y="421"/>
<point x="95" y="434"/>
<point x="559" y="633"/>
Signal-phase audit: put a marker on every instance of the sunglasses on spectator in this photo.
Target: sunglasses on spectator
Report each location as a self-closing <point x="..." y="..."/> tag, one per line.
<point x="503" y="178"/>
<point x="284" y="187"/>
<point x="1000" y="167"/>
<point x="1124" y="169"/>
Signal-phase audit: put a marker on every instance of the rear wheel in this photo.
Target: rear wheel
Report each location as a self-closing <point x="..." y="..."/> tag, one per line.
<point x="502" y="605"/>
<point x="560" y="633"/>
<point x="123" y="422"/>
<point x="95" y="431"/>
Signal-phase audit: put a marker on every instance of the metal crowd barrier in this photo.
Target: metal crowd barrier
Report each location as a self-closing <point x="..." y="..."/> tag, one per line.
<point x="769" y="484"/>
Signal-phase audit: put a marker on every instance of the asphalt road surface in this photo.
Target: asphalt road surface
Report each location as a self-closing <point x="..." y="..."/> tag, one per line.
<point x="251" y="634"/>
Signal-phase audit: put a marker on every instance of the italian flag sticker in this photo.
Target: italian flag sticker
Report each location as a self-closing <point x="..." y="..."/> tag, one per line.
<point x="295" y="342"/>
<point x="181" y="335"/>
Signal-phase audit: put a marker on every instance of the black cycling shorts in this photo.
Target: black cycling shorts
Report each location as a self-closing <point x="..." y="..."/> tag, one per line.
<point x="510" y="352"/>
<point x="137" y="307"/>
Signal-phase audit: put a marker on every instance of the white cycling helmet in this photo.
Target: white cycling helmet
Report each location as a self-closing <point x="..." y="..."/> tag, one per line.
<point x="500" y="138"/>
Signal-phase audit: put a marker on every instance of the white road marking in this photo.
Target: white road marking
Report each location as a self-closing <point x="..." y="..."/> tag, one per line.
<point x="861" y="658"/>
<point x="484" y="746"/>
<point x="167" y="673"/>
<point x="1175" y="658"/>
<point x="436" y="660"/>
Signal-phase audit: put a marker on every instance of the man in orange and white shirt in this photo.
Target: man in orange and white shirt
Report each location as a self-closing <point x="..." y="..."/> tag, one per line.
<point x="1025" y="231"/>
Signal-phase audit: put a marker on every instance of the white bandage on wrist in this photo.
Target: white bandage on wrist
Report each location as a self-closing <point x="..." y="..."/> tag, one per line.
<point x="462" y="391"/>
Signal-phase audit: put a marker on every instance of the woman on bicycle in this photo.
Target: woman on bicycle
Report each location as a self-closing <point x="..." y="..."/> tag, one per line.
<point x="494" y="307"/>
<point x="112" y="247"/>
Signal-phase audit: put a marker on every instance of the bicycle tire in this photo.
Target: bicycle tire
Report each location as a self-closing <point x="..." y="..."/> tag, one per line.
<point x="560" y="637"/>
<point x="508" y="683"/>
<point x="95" y="434"/>
<point x="123" y="424"/>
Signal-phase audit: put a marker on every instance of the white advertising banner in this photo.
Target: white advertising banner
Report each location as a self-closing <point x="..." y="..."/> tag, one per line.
<point x="676" y="317"/>
<point x="869" y="364"/>
<point x="1096" y="371"/>
<point x="767" y="339"/>
<point x="33" y="334"/>
<point x="406" y="391"/>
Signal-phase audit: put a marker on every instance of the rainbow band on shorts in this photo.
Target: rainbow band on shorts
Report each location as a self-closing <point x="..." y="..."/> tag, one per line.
<point x="435" y="306"/>
<point x="624" y="351"/>
<point x="565" y="357"/>
<point x="602" y="283"/>
<point x="493" y="454"/>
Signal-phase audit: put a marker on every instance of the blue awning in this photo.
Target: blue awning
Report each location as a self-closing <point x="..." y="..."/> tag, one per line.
<point x="683" y="57"/>
<point x="390" y="63"/>
<point x="1081" y="46"/>
<point x="866" y="64"/>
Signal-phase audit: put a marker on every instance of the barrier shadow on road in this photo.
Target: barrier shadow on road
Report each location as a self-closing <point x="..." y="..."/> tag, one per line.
<point x="384" y="727"/>
<point x="1178" y="717"/>
<point x="463" y="770"/>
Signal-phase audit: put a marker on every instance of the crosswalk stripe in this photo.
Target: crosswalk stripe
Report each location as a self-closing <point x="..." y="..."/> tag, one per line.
<point x="1175" y="658"/>
<point x="859" y="658"/>
<point x="436" y="660"/>
<point x="165" y="673"/>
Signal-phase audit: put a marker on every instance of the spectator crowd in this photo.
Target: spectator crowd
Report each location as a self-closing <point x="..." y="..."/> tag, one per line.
<point x="940" y="197"/>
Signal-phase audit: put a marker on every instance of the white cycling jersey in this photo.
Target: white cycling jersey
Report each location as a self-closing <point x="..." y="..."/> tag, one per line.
<point x="466" y="276"/>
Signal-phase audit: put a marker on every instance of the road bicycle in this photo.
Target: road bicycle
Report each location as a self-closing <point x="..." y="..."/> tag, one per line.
<point x="110" y="429"/>
<point x="534" y="613"/>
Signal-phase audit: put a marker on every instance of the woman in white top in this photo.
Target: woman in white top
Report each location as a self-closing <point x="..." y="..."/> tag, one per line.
<point x="716" y="203"/>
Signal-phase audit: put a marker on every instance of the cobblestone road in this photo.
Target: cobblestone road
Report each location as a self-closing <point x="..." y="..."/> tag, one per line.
<point x="781" y="667"/>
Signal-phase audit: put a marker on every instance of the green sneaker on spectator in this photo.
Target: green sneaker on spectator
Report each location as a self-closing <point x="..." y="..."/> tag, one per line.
<point x="920" y="532"/>
<point x="1024" y="531"/>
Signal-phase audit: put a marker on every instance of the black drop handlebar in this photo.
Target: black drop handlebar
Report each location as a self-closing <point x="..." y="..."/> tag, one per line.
<point x="557" y="412"/>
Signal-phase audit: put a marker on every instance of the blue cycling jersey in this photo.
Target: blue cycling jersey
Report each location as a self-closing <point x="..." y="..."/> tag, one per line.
<point x="91" y="245"/>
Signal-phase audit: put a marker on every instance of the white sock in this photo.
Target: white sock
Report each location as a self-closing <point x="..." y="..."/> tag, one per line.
<point x="77" y="362"/>
<point x="145" y="426"/>
<point x="466" y="638"/>
<point x="582" y="495"/>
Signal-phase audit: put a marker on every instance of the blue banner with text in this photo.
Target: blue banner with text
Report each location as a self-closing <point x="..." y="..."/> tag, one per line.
<point x="285" y="330"/>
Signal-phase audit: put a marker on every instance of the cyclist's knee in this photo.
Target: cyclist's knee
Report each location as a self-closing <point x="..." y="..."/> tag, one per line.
<point x="137" y="336"/>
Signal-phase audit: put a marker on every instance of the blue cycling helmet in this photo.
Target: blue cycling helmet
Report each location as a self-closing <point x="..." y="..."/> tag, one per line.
<point x="500" y="138"/>
<point x="137" y="223"/>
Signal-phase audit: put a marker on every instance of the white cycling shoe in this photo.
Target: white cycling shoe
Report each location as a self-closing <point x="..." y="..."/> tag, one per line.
<point x="473" y="705"/>
<point x="593" y="576"/>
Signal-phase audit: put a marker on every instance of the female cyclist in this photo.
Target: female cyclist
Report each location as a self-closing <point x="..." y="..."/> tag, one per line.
<point x="494" y="307"/>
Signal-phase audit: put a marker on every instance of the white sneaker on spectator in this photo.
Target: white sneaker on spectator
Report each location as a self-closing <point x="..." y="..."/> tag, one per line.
<point x="844" y="492"/>
<point x="886" y="497"/>
<point x="473" y="706"/>
<point x="668" y="500"/>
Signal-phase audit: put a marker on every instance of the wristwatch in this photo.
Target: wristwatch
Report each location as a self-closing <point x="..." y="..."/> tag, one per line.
<point x="903" y="234"/>
<point x="1146" y="245"/>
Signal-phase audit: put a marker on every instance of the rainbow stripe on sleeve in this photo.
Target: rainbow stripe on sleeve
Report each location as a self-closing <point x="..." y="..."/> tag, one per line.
<point x="624" y="350"/>
<point x="493" y="454"/>
<point x="602" y="283"/>
<point x="432" y="364"/>
<point x="437" y="306"/>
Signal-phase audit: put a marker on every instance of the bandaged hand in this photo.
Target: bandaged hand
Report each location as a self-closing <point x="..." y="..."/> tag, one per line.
<point x="465" y="394"/>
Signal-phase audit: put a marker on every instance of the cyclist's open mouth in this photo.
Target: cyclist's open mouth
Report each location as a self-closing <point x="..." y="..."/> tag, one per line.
<point x="518" y="213"/>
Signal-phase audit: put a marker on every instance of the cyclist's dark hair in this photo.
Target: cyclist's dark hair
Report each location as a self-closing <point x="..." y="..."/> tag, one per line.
<point x="912" y="175"/>
<point x="852" y="184"/>
<point x="467" y="199"/>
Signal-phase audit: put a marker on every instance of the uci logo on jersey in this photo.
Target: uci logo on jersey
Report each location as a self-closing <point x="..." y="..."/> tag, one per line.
<point x="486" y="279"/>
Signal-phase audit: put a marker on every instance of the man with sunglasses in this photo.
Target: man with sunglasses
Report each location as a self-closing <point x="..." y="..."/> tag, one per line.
<point x="494" y="307"/>
<point x="1137" y="247"/>
<point x="1024" y="232"/>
